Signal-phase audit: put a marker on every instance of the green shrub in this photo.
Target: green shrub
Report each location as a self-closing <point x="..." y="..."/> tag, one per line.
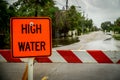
<point x="116" y="36"/>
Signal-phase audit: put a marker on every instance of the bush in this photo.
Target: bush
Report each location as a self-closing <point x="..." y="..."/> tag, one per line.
<point x="116" y="36"/>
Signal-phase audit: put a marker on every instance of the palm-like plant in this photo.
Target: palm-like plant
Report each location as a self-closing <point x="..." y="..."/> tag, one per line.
<point x="31" y="7"/>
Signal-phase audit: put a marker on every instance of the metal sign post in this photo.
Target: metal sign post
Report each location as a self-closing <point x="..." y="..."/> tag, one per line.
<point x="30" y="68"/>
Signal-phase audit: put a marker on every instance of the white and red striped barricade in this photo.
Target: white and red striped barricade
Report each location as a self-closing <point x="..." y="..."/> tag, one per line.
<point x="69" y="56"/>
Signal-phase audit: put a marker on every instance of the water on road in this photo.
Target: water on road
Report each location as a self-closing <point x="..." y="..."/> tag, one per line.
<point x="103" y="45"/>
<point x="93" y="41"/>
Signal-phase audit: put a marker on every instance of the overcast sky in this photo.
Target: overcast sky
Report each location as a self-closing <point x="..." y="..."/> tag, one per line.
<point x="97" y="10"/>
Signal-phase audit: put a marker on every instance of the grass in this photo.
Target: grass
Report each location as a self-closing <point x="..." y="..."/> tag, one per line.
<point x="116" y="36"/>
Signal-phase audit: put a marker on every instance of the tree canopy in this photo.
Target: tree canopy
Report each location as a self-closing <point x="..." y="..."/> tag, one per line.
<point x="62" y="20"/>
<point x="108" y="26"/>
<point x="116" y="26"/>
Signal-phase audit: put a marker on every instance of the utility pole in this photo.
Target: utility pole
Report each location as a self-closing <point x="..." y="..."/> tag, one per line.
<point x="36" y="8"/>
<point x="65" y="23"/>
<point x="66" y="4"/>
<point x="82" y="20"/>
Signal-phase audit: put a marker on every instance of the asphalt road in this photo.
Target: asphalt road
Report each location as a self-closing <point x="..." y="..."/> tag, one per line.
<point x="62" y="71"/>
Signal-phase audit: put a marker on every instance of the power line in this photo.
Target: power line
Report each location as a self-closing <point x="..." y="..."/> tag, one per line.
<point x="72" y="1"/>
<point x="59" y="3"/>
<point x="66" y="4"/>
<point x="77" y="2"/>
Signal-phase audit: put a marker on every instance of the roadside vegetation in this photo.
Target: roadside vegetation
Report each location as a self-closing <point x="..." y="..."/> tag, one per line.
<point x="65" y="23"/>
<point x="114" y="27"/>
<point x="116" y="36"/>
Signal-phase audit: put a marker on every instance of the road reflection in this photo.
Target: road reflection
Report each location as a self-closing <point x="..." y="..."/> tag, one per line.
<point x="107" y="44"/>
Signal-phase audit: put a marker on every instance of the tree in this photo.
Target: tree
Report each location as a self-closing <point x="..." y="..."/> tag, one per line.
<point x="6" y="12"/>
<point x="70" y="19"/>
<point x="106" y="26"/>
<point x="73" y="18"/>
<point x="37" y="8"/>
<point x="3" y="17"/>
<point x="117" y="22"/>
<point x="3" y="22"/>
<point x="64" y="28"/>
<point x="59" y="23"/>
<point x="89" y="24"/>
<point x="116" y="26"/>
<point x="32" y="7"/>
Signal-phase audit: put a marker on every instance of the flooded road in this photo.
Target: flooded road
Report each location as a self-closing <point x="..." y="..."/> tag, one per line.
<point x="109" y="44"/>
<point x="93" y="41"/>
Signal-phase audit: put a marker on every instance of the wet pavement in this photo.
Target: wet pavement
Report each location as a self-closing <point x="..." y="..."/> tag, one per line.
<point x="103" y="45"/>
<point x="94" y="40"/>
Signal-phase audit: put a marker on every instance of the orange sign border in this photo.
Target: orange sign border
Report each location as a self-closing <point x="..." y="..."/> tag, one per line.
<point x="11" y="36"/>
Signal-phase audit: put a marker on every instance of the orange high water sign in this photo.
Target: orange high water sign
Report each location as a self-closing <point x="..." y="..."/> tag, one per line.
<point x="31" y="37"/>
